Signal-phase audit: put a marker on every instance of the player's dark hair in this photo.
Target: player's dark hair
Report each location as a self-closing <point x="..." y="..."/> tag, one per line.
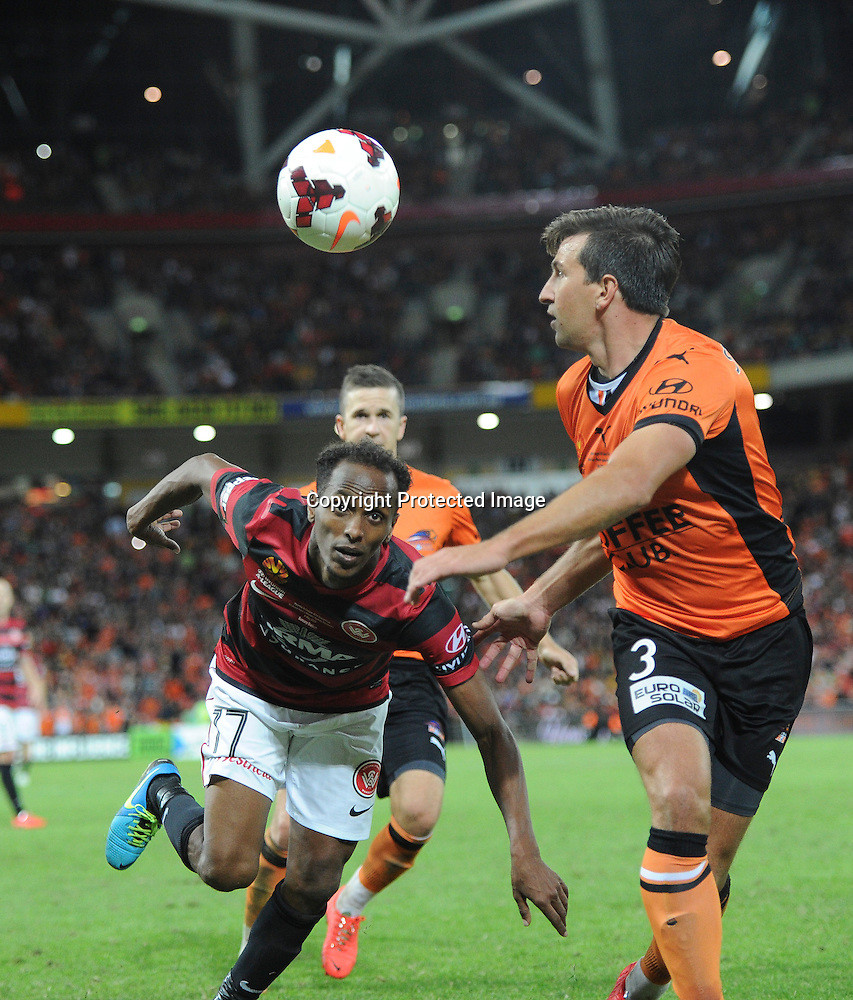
<point x="636" y="245"/>
<point x="370" y="377"/>
<point x="363" y="452"/>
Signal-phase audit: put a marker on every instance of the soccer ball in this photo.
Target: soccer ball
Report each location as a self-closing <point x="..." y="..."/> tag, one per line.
<point x="338" y="190"/>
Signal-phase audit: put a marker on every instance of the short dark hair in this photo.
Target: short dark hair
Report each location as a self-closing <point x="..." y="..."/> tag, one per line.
<point x="370" y="377"/>
<point x="636" y="245"/>
<point x="363" y="452"/>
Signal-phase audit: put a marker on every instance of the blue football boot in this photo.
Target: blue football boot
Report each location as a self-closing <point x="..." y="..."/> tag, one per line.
<point x="134" y="824"/>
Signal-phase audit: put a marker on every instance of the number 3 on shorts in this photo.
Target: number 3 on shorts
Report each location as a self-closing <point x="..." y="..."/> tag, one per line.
<point x="226" y="721"/>
<point x="647" y="656"/>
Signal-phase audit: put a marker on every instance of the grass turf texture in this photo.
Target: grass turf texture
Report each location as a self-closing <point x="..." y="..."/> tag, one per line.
<point x="74" y="928"/>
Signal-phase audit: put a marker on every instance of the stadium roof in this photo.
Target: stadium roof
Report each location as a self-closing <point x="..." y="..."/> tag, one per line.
<point x="241" y="80"/>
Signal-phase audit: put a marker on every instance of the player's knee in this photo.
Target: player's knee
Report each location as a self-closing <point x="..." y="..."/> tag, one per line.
<point x="315" y="874"/>
<point x="680" y="806"/>
<point x="417" y="819"/>
<point x="309" y="889"/>
<point x="279" y="830"/>
<point x="227" y="870"/>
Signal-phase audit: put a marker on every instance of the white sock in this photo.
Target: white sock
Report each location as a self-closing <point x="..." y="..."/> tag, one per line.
<point x="354" y="897"/>
<point x="638" y="987"/>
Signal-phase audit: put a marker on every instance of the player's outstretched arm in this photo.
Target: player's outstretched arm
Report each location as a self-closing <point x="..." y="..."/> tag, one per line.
<point x="158" y="512"/>
<point x="627" y="483"/>
<point x="520" y="624"/>
<point x="532" y="880"/>
<point x="516" y="627"/>
<point x="474" y="560"/>
<point x="500" y="586"/>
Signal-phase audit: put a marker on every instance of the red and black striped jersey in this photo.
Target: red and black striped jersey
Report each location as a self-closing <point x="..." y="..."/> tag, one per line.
<point x="295" y="642"/>
<point x="428" y="522"/>
<point x="14" y="639"/>
<point x="711" y="554"/>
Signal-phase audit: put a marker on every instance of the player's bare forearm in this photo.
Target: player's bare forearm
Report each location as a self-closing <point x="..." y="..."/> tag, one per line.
<point x="532" y="879"/>
<point x="627" y="483"/>
<point x="36" y="684"/>
<point x="580" y="567"/>
<point x="494" y="587"/>
<point x="501" y="586"/>
<point x="478" y="560"/>
<point x="158" y="511"/>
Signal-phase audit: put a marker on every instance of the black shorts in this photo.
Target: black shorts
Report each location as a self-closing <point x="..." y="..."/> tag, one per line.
<point x="416" y="727"/>
<point x="743" y="694"/>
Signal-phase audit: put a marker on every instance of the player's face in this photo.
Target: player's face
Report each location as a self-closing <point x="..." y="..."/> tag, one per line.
<point x="373" y="414"/>
<point x="353" y="517"/>
<point x="570" y="296"/>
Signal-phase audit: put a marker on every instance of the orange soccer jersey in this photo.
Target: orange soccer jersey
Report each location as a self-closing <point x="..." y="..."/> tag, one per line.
<point x="434" y="516"/>
<point x="711" y="555"/>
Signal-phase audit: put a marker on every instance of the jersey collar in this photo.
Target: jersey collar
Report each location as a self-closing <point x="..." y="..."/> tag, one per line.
<point x="604" y="392"/>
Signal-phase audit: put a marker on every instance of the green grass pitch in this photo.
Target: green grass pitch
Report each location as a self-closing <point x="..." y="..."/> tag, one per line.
<point x="73" y="928"/>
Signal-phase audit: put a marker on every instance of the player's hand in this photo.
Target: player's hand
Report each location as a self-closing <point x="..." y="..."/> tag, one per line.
<point x="534" y="881"/>
<point x="458" y="560"/>
<point x="155" y="532"/>
<point x="517" y="625"/>
<point x="562" y="664"/>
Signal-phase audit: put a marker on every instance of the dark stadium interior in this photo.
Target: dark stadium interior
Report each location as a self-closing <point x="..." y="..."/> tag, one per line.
<point x="145" y="259"/>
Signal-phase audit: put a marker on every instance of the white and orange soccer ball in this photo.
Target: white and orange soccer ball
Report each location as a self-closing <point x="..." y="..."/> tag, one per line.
<point x="338" y="190"/>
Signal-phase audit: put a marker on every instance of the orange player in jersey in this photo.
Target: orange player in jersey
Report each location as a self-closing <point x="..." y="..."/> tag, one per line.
<point x="710" y="640"/>
<point x="413" y="762"/>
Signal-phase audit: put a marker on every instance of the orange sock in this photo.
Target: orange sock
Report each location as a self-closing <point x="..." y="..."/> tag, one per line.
<point x="683" y="907"/>
<point x="271" y="870"/>
<point x="652" y="963"/>
<point x="392" y="852"/>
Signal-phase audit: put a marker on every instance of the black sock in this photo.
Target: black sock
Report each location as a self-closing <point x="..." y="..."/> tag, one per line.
<point x="178" y="811"/>
<point x="11" y="789"/>
<point x="276" y="939"/>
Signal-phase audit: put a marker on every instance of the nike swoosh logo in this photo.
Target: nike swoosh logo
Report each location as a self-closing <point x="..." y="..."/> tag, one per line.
<point x="247" y="988"/>
<point x="348" y="217"/>
<point x="358" y="812"/>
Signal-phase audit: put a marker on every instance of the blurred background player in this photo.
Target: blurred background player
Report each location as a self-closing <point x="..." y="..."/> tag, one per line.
<point x="711" y="644"/>
<point x="299" y="693"/>
<point x="21" y="686"/>
<point x="372" y="407"/>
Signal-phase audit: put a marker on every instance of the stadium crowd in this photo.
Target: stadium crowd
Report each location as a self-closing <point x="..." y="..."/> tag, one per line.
<point x="85" y="321"/>
<point x="439" y="159"/>
<point x="124" y="635"/>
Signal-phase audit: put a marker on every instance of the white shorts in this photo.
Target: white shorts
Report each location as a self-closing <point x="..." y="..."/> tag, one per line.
<point x="28" y="724"/>
<point x="9" y="742"/>
<point x="329" y="763"/>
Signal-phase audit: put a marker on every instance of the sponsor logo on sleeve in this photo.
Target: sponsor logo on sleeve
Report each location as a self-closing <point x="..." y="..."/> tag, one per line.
<point x="656" y="691"/>
<point x="458" y="641"/>
<point x="228" y="489"/>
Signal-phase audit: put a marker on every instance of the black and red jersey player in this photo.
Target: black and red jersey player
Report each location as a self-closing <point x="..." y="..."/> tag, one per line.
<point x="21" y="686"/>
<point x="299" y="693"/>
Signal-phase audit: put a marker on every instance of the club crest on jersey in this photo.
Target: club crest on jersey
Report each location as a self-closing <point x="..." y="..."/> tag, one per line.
<point x="456" y="643"/>
<point x="366" y="778"/>
<point x="358" y="631"/>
